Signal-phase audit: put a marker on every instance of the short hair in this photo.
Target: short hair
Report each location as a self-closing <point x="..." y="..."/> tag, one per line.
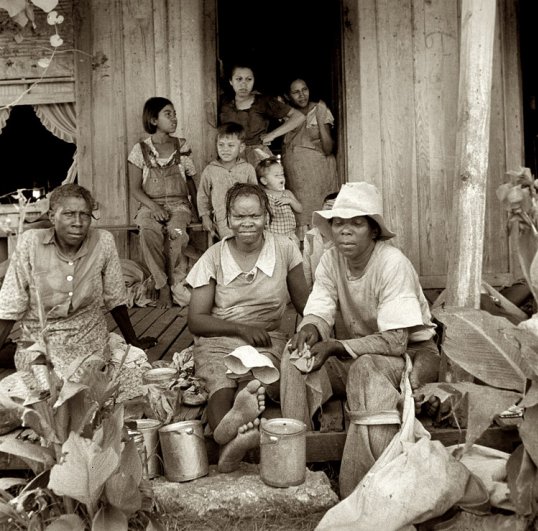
<point x="262" y="168"/>
<point x="330" y="197"/>
<point x="241" y="63"/>
<point x="232" y="129"/>
<point x="67" y="191"/>
<point x="247" y="190"/>
<point x="151" y="111"/>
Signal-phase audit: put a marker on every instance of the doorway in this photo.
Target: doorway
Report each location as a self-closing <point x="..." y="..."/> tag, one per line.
<point x="283" y="40"/>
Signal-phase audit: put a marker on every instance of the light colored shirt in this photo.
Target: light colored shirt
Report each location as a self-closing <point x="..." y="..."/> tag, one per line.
<point x="215" y="181"/>
<point x="314" y="245"/>
<point x="387" y="296"/>
<point x="72" y="291"/>
<point x="258" y="297"/>
<point x="186" y="166"/>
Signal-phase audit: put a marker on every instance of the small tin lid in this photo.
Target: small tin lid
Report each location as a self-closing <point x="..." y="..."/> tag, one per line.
<point x="161" y="374"/>
<point x="283" y="427"/>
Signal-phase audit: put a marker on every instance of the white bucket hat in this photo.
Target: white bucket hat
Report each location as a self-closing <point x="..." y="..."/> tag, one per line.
<point x="354" y="199"/>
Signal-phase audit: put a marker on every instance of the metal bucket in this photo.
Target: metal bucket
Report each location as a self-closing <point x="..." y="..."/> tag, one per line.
<point x="184" y="450"/>
<point x="149" y="430"/>
<point x="283" y="452"/>
<point x="159" y="376"/>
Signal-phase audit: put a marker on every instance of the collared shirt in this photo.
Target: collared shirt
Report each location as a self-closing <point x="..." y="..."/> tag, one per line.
<point x="186" y="166"/>
<point x="256" y="119"/>
<point x="72" y="291"/>
<point x="387" y="296"/>
<point x="215" y="181"/>
<point x="257" y="297"/>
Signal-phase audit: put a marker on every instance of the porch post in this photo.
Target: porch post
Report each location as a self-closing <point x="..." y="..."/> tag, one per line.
<point x="472" y="150"/>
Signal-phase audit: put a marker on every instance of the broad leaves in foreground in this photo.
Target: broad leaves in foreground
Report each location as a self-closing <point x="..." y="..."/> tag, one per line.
<point x="84" y="471"/>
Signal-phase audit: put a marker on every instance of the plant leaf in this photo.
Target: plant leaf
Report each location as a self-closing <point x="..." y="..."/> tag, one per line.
<point x="45" y="5"/>
<point x="69" y="389"/>
<point x="122" y="492"/>
<point x="522" y="478"/>
<point x="7" y="483"/>
<point x="531" y="396"/>
<point x="529" y="433"/>
<point x="475" y="340"/>
<point x="67" y="522"/>
<point x="108" y="518"/>
<point x="483" y="404"/>
<point x="28" y="451"/>
<point x="109" y="433"/>
<point x="84" y="471"/>
<point x="154" y="525"/>
<point x="130" y="461"/>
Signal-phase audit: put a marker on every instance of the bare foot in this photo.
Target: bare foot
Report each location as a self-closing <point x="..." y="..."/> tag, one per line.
<point x="248" y="436"/>
<point x="248" y="404"/>
<point x="165" y="297"/>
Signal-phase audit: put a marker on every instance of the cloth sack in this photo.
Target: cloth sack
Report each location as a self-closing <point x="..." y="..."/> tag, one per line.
<point x="411" y="481"/>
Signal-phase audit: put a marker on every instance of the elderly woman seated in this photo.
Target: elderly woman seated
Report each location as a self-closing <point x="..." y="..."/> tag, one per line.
<point x="64" y="275"/>
<point x="386" y="316"/>
<point x="240" y="291"/>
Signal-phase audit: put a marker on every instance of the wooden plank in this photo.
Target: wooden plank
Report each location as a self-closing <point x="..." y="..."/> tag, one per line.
<point x="435" y="50"/>
<point x="183" y="341"/>
<point x="472" y="145"/>
<point x="152" y="315"/>
<point x="139" y="58"/>
<point x="395" y="56"/>
<point x="82" y="15"/>
<point x="161" y="60"/>
<point x="439" y="281"/>
<point x="512" y="91"/>
<point x="164" y="328"/>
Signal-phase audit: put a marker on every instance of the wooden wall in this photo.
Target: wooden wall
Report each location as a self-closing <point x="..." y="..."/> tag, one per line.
<point x="400" y="84"/>
<point x="139" y="49"/>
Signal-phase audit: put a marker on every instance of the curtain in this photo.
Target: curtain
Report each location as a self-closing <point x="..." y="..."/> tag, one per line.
<point x="61" y="120"/>
<point x="4" y="115"/>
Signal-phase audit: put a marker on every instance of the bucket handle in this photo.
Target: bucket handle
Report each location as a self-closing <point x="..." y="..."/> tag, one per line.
<point x="272" y="440"/>
<point x="190" y="431"/>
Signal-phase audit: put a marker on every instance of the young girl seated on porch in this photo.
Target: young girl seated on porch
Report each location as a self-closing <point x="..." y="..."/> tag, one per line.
<point x="161" y="175"/>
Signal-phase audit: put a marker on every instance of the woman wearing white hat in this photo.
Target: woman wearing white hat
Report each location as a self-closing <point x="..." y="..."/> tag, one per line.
<point x="385" y="312"/>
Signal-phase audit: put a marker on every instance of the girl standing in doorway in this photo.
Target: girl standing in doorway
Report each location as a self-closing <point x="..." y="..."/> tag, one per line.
<point x="254" y="111"/>
<point x="307" y="156"/>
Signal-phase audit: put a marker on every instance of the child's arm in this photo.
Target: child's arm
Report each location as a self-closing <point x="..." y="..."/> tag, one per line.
<point x="191" y="185"/>
<point x="203" y="201"/>
<point x="293" y="120"/>
<point x="159" y="213"/>
<point x="186" y="161"/>
<point x="289" y="199"/>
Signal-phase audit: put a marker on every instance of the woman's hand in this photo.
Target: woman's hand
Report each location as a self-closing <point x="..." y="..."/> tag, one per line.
<point x="266" y="139"/>
<point x="321" y="111"/>
<point x="252" y="335"/>
<point x="144" y="342"/>
<point x="159" y="213"/>
<point x="308" y="335"/>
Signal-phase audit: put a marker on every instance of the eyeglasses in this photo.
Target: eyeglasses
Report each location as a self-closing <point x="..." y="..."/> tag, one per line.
<point x="71" y="215"/>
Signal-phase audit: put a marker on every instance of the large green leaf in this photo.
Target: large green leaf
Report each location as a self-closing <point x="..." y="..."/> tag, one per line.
<point x="477" y="342"/>
<point x="108" y="435"/>
<point x="522" y="478"/>
<point x="84" y="471"/>
<point x="69" y="389"/>
<point x="130" y="461"/>
<point x="122" y="492"/>
<point x="483" y="403"/>
<point x="109" y="518"/>
<point x="67" y="522"/>
<point x="7" y="483"/>
<point x="528" y="431"/>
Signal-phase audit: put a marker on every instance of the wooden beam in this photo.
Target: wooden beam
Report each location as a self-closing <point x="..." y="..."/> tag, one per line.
<point x="472" y="149"/>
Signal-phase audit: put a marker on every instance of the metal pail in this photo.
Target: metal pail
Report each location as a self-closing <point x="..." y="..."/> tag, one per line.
<point x="283" y="452"/>
<point x="149" y="430"/>
<point x="184" y="450"/>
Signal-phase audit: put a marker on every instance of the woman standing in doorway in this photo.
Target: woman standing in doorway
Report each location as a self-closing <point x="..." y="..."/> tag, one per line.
<point x="308" y="159"/>
<point x="254" y="111"/>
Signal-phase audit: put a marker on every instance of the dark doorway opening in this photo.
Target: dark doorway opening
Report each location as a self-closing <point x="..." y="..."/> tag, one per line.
<point x="32" y="156"/>
<point x="283" y="40"/>
<point x="529" y="50"/>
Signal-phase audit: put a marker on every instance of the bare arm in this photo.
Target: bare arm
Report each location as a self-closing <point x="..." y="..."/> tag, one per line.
<point x="297" y="288"/>
<point x="294" y="120"/>
<point x="122" y="319"/>
<point x="202" y="323"/>
<point x="294" y="203"/>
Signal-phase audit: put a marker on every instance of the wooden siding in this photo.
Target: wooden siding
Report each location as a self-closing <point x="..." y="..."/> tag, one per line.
<point x="400" y="87"/>
<point x="18" y="61"/>
<point x="140" y="48"/>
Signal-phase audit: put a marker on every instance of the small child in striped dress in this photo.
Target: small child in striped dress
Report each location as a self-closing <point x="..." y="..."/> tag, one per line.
<point x="282" y="202"/>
